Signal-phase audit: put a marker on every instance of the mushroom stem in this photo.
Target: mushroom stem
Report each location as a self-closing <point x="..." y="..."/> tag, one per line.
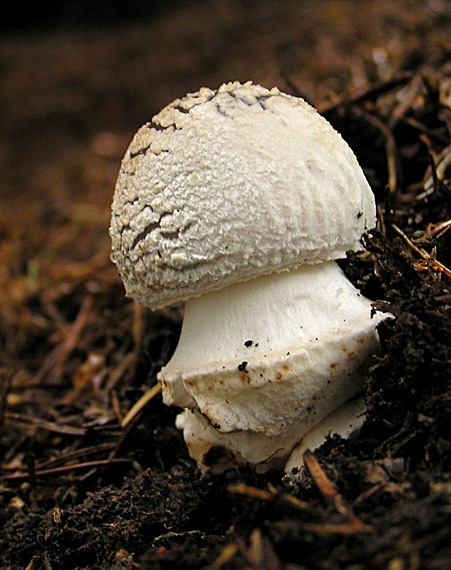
<point x="270" y="357"/>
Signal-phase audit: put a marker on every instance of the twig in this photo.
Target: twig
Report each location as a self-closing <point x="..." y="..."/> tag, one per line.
<point x="5" y="386"/>
<point x="440" y="228"/>
<point x="370" y="91"/>
<point x="131" y="417"/>
<point x="417" y="84"/>
<point x="329" y="493"/>
<point x="66" y="458"/>
<point x="31" y="469"/>
<point x="437" y="135"/>
<point x="59" y="354"/>
<point x="140" y="404"/>
<point x="430" y="259"/>
<point x="367" y="494"/>
<point x="125" y="363"/>
<point x="32" y="563"/>
<point x="336" y="528"/>
<point x="390" y="146"/>
<point x="253" y="492"/>
<point x="64" y="469"/>
<point x="28" y="422"/>
<point x="226" y="554"/>
<point x="129" y="362"/>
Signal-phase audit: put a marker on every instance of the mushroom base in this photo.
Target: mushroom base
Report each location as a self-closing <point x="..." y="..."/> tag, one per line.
<point x="260" y="364"/>
<point x="214" y="451"/>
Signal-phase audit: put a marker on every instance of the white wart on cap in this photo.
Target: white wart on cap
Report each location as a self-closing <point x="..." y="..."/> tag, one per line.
<point x="237" y="201"/>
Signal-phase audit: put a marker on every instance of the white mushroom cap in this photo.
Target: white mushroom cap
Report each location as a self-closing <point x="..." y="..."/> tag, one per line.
<point x="225" y="186"/>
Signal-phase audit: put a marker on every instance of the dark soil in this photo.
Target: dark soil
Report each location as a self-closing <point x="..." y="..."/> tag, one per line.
<point x="77" y="490"/>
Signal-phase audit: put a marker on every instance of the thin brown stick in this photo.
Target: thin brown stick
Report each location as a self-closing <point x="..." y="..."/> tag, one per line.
<point x="226" y="554"/>
<point x="390" y="146"/>
<point x="58" y="356"/>
<point x="435" y="265"/>
<point x="66" y="458"/>
<point x="328" y="491"/>
<point x="32" y="563"/>
<point x="367" y="494"/>
<point x="336" y="528"/>
<point x="64" y="469"/>
<point x="370" y="91"/>
<point x="140" y="404"/>
<point x="255" y="493"/>
<point x="439" y="229"/>
<point x="31" y="422"/>
<point x="5" y="386"/>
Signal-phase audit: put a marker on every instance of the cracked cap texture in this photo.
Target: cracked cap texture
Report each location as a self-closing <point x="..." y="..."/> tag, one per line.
<point x="224" y="186"/>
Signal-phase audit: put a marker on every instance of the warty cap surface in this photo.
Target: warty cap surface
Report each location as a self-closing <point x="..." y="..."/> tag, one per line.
<point x="223" y="186"/>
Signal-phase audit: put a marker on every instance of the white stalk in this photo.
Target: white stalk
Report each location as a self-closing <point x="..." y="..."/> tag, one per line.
<point x="262" y="362"/>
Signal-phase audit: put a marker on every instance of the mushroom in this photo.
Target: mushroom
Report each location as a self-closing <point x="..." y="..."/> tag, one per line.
<point x="238" y="202"/>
